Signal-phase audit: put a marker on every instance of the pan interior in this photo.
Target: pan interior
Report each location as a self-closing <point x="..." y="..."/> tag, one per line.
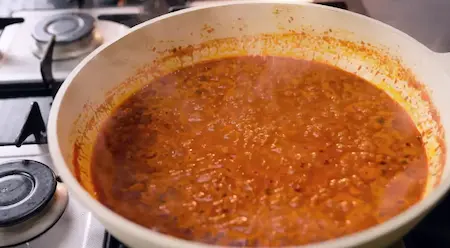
<point x="291" y="31"/>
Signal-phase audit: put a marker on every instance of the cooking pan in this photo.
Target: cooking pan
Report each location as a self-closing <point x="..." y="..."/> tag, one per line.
<point x="413" y="75"/>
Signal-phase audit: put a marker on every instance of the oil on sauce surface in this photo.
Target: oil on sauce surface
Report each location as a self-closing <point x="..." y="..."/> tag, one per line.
<point x="259" y="151"/>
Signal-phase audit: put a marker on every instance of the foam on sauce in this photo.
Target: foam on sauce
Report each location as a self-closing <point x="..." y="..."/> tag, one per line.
<point x="259" y="151"/>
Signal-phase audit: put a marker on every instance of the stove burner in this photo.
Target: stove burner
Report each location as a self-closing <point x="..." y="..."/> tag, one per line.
<point x="31" y="201"/>
<point x="74" y="34"/>
<point x="67" y="27"/>
<point x="25" y="188"/>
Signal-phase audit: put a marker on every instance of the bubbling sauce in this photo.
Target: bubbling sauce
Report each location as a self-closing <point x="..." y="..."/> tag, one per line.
<point x="259" y="151"/>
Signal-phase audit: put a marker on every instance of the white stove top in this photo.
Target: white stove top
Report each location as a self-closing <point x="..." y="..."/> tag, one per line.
<point x="77" y="228"/>
<point x="17" y="62"/>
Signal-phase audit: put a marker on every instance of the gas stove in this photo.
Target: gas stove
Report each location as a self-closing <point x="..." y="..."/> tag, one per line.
<point x="40" y="43"/>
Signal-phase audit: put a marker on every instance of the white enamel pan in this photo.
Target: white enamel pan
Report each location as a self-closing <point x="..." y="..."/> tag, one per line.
<point x="411" y="73"/>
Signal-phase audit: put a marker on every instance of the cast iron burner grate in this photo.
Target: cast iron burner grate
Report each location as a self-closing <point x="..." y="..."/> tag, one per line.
<point x="109" y="241"/>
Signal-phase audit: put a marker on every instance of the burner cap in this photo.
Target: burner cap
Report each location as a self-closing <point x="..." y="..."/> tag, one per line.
<point x="25" y="189"/>
<point x="31" y="201"/>
<point x="67" y="28"/>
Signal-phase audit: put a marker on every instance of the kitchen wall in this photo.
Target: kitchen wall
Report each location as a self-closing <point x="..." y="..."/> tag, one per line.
<point x="425" y="20"/>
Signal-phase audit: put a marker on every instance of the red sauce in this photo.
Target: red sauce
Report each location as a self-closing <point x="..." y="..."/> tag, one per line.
<point x="259" y="151"/>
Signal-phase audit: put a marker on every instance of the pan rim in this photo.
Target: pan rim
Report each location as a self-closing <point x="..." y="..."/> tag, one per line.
<point x="136" y="231"/>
